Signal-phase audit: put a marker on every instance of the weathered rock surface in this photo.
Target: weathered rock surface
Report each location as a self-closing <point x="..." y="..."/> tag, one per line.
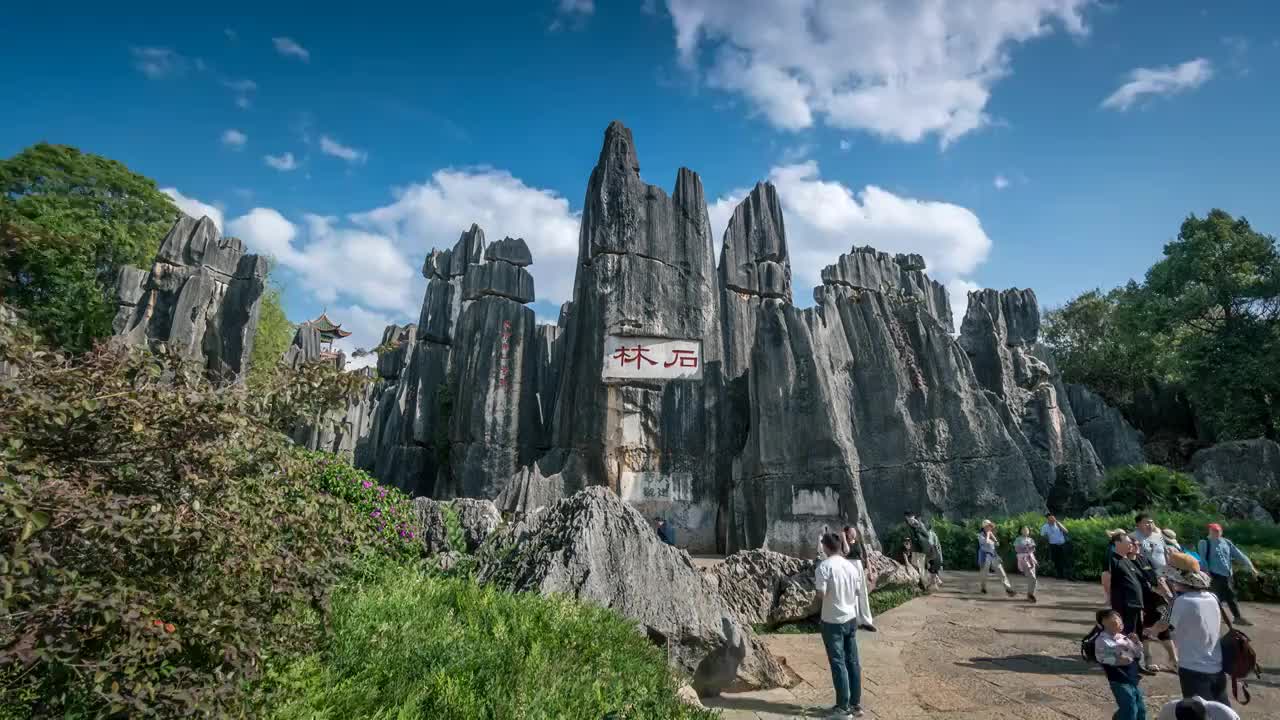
<point x="849" y="411"/>
<point x="1239" y="474"/>
<point x="598" y="549"/>
<point x="477" y="519"/>
<point x="199" y="301"/>
<point x="1000" y="333"/>
<point x="752" y="583"/>
<point x="1113" y="438"/>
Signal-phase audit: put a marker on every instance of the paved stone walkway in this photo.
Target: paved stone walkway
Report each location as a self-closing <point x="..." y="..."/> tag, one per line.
<point x="960" y="655"/>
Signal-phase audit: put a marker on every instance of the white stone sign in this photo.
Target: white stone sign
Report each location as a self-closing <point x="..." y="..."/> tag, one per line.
<point x="644" y="358"/>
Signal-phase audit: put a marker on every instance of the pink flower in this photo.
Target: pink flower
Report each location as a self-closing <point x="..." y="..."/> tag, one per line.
<point x="367" y="484"/>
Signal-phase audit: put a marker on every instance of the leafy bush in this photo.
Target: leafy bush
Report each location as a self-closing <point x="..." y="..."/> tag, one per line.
<point x="159" y="537"/>
<point x="1151" y="487"/>
<point x="389" y="512"/>
<point x="1089" y="544"/>
<point x="410" y="645"/>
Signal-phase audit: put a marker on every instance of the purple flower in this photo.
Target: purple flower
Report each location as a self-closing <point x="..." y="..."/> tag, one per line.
<point x="375" y="514"/>
<point x="366" y="484"/>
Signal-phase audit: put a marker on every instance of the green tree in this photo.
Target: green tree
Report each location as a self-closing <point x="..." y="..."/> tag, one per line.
<point x="68" y="222"/>
<point x="275" y="332"/>
<point x="1099" y="340"/>
<point x="1216" y="296"/>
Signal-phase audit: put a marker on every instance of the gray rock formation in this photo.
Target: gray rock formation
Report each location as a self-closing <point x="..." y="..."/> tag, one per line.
<point x="199" y="301"/>
<point x="1113" y="438"/>
<point x="846" y="412"/>
<point x="598" y="549"/>
<point x="1246" y="471"/>
<point x="752" y="585"/>
<point x="1000" y="333"/>
<point x="646" y="267"/>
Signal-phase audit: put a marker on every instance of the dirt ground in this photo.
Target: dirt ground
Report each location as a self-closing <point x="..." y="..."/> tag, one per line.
<point x="961" y="655"/>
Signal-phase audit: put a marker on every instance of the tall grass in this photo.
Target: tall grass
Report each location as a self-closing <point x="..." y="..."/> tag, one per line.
<point x="411" y="645"/>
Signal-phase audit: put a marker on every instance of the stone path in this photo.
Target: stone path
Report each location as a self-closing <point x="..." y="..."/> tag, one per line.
<point x="960" y="655"/>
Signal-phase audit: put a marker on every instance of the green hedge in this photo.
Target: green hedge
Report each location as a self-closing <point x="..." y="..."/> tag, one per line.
<point x="1261" y="542"/>
<point x="414" y="645"/>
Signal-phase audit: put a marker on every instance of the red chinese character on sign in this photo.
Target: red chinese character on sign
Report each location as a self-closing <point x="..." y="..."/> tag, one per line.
<point x="633" y="355"/>
<point x="686" y="358"/>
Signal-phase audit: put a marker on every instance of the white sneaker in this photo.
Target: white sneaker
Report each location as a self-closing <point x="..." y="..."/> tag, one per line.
<point x="838" y="714"/>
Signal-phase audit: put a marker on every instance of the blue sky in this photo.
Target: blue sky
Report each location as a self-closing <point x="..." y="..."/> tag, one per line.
<point x="1052" y="144"/>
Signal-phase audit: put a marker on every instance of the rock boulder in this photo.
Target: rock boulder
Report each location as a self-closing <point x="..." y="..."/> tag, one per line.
<point x="595" y="548"/>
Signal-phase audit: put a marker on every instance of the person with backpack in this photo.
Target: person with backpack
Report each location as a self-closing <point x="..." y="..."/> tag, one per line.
<point x="1218" y="554"/>
<point x="1195" y="622"/>
<point x="920" y="547"/>
<point x="1119" y="654"/>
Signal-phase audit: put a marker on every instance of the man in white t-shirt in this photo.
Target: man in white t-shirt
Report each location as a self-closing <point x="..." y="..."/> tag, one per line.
<point x="1196" y="708"/>
<point x="1196" y="624"/>
<point x="838" y="582"/>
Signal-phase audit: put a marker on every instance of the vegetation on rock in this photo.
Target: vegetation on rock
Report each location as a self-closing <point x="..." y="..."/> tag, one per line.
<point x="68" y="222"/>
<point x="274" y="335"/>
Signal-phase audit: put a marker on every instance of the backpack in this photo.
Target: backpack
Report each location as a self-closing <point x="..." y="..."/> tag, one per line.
<point x="1239" y="661"/>
<point x="1088" y="646"/>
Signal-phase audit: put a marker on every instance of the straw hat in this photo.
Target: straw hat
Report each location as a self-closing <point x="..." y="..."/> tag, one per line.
<point x="1169" y="534"/>
<point x="1196" y="579"/>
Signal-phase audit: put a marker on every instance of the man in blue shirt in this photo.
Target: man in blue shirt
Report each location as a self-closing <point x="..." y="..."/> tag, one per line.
<point x="664" y="531"/>
<point x="1219" y="554"/>
<point x="1058" y="538"/>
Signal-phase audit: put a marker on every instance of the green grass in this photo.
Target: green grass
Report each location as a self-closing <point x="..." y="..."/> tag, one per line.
<point x="412" y="645"/>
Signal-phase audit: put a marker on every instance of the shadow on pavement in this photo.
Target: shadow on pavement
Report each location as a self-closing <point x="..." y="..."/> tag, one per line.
<point x="729" y="702"/>
<point x="1068" y="635"/>
<point x="1034" y="664"/>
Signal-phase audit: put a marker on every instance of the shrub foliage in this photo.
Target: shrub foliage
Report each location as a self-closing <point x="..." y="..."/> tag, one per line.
<point x="1153" y="487"/>
<point x="159" y="537"/>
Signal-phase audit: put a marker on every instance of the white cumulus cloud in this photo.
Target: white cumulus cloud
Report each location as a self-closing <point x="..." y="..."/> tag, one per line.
<point x="1152" y="82"/>
<point x="825" y="218"/>
<point x="194" y="207"/>
<point x="289" y="47"/>
<point x="901" y="69"/>
<point x="435" y="212"/>
<point x="329" y="146"/>
<point x="233" y="138"/>
<point x="283" y="163"/>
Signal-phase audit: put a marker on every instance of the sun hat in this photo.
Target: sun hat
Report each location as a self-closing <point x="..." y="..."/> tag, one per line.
<point x="1197" y="579"/>
<point x="1183" y="562"/>
<point x="1169" y="533"/>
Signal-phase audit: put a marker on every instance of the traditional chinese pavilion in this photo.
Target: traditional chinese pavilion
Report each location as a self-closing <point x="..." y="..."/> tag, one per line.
<point x="329" y="331"/>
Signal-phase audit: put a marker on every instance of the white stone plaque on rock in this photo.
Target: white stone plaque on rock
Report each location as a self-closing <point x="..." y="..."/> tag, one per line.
<point x="645" y="358"/>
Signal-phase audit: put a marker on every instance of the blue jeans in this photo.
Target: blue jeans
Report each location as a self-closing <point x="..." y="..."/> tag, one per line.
<point x="1129" y="702"/>
<point x="841" y="640"/>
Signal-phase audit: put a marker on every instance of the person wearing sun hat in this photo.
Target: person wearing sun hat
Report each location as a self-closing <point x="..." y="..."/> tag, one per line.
<point x="1171" y="540"/>
<point x="1218" y="554"/>
<point x="1195" y="621"/>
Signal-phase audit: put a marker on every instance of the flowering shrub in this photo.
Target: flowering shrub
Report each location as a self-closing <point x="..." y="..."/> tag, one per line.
<point x="159" y="537"/>
<point x="387" y="512"/>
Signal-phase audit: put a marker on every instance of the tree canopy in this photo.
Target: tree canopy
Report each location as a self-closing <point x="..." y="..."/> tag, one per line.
<point x="1206" y="318"/>
<point x="68" y="222"/>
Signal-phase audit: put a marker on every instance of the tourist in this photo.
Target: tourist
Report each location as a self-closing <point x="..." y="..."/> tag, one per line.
<point x="1196" y="708"/>
<point x="1150" y="540"/>
<point x="1025" y="547"/>
<point x="1196" y="623"/>
<point x="1124" y="588"/>
<point x="1119" y="653"/>
<point x="837" y="582"/>
<point x="988" y="559"/>
<point x="933" y="560"/>
<point x="919" y="555"/>
<point x="1218" y="554"/>
<point x="856" y="552"/>
<point x="664" y="531"/>
<point x="1059" y="547"/>
<point x="1156" y="597"/>
<point x="1171" y="540"/>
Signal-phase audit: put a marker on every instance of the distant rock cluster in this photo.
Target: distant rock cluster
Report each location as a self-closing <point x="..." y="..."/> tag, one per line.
<point x="199" y="300"/>
<point x="849" y="411"/>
